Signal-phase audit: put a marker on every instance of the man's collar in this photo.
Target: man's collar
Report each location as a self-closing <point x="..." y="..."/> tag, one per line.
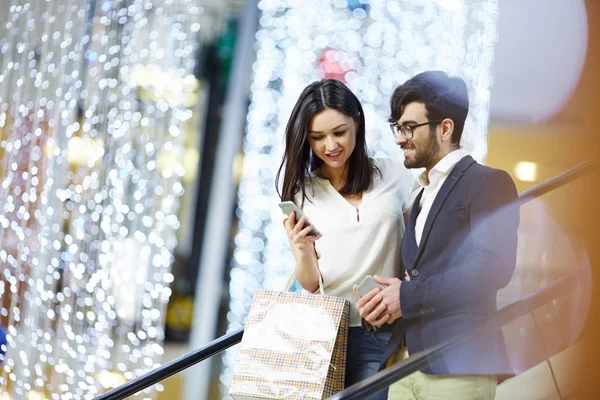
<point x="446" y="164"/>
<point x="443" y="167"/>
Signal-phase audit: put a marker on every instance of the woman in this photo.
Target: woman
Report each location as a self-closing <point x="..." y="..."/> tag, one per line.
<point x="357" y="204"/>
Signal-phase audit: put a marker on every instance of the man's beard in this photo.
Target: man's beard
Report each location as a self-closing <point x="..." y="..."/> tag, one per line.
<point x="424" y="157"/>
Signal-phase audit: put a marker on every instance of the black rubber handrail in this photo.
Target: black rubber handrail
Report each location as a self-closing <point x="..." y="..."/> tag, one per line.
<point x="370" y="385"/>
<point x="173" y="367"/>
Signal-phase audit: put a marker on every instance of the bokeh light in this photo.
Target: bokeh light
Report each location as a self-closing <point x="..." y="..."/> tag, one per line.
<point x="93" y="98"/>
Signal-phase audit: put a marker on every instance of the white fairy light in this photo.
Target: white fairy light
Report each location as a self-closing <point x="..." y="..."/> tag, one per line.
<point x="373" y="46"/>
<point x="88" y="217"/>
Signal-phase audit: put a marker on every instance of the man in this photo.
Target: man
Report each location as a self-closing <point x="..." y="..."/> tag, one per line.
<point x="458" y="250"/>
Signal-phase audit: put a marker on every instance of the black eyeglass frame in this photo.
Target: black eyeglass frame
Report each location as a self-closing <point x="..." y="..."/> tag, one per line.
<point x="410" y="129"/>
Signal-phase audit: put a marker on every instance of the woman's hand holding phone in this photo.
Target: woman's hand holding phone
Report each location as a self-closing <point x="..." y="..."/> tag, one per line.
<point x="298" y="234"/>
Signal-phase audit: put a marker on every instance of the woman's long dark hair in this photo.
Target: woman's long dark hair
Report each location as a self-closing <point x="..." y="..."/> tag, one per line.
<point x="299" y="160"/>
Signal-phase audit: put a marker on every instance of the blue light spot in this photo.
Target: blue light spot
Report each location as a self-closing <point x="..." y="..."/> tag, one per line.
<point x="79" y="223"/>
<point x="358" y="4"/>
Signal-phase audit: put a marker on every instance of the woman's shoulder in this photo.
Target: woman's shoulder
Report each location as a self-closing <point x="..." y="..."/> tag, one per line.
<point x="395" y="175"/>
<point x="394" y="171"/>
<point x="390" y="166"/>
<point x="388" y="161"/>
<point x="313" y="181"/>
<point x="314" y="186"/>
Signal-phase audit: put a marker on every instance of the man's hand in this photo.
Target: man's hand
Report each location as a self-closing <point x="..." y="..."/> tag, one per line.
<point x="390" y="297"/>
<point x="371" y="309"/>
<point x="380" y="306"/>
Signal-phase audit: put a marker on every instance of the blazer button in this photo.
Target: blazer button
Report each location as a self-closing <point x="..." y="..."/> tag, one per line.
<point x="414" y="272"/>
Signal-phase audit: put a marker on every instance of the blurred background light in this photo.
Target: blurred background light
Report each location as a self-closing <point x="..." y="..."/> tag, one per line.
<point x="526" y="171"/>
<point x="88" y="116"/>
<point x="540" y="54"/>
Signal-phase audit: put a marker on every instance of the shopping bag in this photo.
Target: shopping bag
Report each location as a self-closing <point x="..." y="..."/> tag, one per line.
<point x="294" y="347"/>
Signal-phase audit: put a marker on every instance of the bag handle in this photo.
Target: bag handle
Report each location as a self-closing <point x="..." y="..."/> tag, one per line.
<point x="289" y="283"/>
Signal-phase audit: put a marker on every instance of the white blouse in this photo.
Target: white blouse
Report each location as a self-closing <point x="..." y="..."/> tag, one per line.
<point x="359" y="241"/>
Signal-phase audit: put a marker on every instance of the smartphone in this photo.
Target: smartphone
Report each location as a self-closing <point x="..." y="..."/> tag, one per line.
<point x="368" y="284"/>
<point x="288" y="206"/>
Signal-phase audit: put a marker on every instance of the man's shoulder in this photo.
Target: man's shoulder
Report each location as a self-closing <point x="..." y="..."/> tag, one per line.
<point x="479" y="179"/>
<point x="483" y="180"/>
<point x="481" y="171"/>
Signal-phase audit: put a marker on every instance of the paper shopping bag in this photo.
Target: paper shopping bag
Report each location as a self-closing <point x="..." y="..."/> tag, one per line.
<point x="294" y="347"/>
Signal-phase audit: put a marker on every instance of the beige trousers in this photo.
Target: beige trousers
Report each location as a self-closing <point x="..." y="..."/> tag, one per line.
<point x="420" y="386"/>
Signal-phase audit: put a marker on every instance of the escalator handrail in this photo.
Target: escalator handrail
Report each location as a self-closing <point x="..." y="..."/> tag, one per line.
<point x="173" y="367"/>
<point x="558" y="181"/>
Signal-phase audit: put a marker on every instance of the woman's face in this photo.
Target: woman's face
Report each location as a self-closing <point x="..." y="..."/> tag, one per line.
<point x="332" y="137"/>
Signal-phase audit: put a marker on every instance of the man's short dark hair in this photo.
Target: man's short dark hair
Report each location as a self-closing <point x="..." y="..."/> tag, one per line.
<point x="443" y="96"/>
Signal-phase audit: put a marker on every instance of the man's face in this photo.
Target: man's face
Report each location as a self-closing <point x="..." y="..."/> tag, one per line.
<point x="422" y="150"/>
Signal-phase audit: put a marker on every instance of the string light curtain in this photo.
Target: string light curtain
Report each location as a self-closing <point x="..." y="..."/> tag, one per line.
<point x="94" y="98"/>
<point x="371" y="45"/>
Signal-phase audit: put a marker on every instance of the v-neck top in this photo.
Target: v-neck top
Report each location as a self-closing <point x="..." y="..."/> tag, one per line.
<point x="352" y="247"/>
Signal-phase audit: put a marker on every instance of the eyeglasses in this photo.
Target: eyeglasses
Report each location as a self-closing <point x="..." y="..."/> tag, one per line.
<point x="408" y="131"/>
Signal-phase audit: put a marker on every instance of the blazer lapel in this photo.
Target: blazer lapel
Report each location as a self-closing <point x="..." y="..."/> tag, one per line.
<point x="445" y="190"/>
<point x="414" y="211"/>
<point x="409" y="241"/>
